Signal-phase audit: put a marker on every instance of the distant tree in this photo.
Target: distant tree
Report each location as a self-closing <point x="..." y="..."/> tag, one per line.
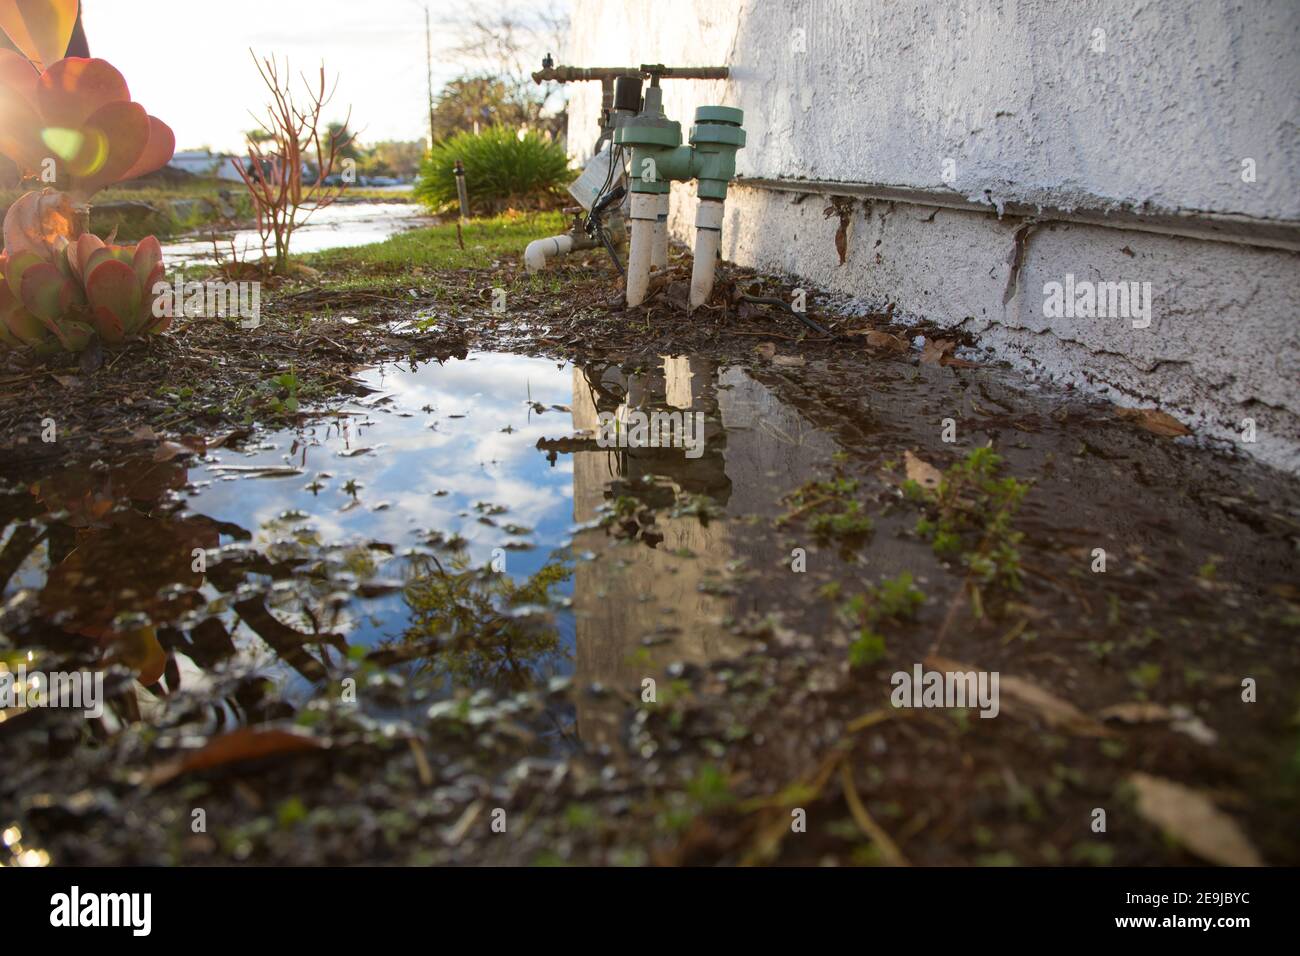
<point x="504" y="48"/>
<point x="471" y="103"/>
<point x="392" y="158"/>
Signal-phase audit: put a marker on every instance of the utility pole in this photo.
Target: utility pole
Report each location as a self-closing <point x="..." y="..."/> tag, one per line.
<point x="428" y="60"/>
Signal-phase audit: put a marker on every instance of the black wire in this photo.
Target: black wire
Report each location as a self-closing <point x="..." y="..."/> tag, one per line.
<point x="615" y="161"/>
<point x="782" y="304"/>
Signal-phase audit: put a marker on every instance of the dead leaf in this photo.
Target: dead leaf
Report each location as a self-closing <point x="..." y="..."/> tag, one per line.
<point x="1053" y="710"/>
<point x="882" y="340"/>
<point x="246" y="743"/>
<point x="1156" y="422"/>
<point x="1194" y="821"/>
<point x="168" y="450"/>
<point x="923" y="473"/>
<point x="1136" y="712"/>
<point x="843" y="208"/>
<point x="1186" y="722"/>
<point x="235" y="435"/>
<point x="1017" y="695"/>
<point x="935" y="350"/>
<point x="766" y="349"/>
<point x="139" y="650"/>
<point x="40" y="223"/>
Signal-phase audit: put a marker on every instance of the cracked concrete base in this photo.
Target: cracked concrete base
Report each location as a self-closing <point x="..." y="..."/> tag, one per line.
<point x="1222" y="345"/>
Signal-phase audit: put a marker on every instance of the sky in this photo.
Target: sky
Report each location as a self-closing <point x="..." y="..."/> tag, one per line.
<point x="187" y="61"/>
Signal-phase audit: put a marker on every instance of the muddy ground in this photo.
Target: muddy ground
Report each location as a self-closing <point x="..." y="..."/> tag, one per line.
<point x="872" y="546"/>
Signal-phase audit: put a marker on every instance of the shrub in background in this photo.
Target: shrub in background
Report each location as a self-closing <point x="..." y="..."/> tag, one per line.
<point x="503" y="170"/>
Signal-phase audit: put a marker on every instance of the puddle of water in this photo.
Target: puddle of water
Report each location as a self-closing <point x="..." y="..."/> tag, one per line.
<point x="452" y="521"/>
<point x="341" y="224"/>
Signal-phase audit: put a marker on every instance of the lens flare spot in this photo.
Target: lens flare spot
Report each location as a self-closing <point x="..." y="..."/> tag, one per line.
<point x="90" y="154"/>
<point x="64" y="143"/>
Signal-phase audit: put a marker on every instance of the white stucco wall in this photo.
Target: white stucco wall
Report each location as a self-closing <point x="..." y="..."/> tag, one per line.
<point x="1019" y="101"/>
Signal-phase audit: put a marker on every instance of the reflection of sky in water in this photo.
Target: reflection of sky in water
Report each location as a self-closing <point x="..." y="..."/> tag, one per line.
<point x="426" y="447"/>
<point x="342" y="224"/>
<point x="414" y="454"/>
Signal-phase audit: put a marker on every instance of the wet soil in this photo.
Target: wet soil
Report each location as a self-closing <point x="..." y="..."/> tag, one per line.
<point x="427" y="605"/>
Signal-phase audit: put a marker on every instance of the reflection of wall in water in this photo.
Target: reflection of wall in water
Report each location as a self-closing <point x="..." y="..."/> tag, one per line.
<point x="632" y="590"/>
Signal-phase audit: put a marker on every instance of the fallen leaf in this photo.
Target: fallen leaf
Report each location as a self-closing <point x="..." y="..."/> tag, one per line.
<point x="843" y="208"/>
<point x="1194" y="821"/>
<point x="1156" y="422"/>
<point x="225" y="438"/>
<point x="922" y="472"/>
<point x="1185" y="722"/>
<point x="935" y="350"/>
<point x="1053" y="710"/>
<point x="765" y="349"/>
<point x="1016" y="694"/>
<point x="246" y="743"/>
<point x="139" y="650"/>
<point x="1136" y="712"/>
<point x="883" y="340"/>
<point x="168" y="450"/>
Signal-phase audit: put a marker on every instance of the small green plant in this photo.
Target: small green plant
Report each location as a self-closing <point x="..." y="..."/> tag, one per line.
<point x="969" y="515"/>
<point x="894" y="600"/>
<point x="835" y="513"/>
<point x="503" y="170"/>
<point x="285" y="400"/>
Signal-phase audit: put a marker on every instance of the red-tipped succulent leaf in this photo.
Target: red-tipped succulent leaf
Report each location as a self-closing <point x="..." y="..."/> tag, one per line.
<point x="78" y="113"/>
<point x="56" y="291"/>
<point x="40" y="29"/>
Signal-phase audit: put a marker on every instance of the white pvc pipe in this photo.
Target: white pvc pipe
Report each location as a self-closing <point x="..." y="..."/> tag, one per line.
<point x="644" y="215"/>
<point x="708" y="238"/>
<point x="539" y="250"/>
<point x="659" y="255"/>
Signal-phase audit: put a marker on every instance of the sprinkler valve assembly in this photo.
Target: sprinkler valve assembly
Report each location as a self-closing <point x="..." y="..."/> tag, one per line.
<point x="659" y="158"/>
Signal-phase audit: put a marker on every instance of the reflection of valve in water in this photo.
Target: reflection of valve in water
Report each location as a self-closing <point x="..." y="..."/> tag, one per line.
<point x="686" y="386"/>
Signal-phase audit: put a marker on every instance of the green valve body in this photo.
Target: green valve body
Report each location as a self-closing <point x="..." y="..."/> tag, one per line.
<point x="658" y="156"/>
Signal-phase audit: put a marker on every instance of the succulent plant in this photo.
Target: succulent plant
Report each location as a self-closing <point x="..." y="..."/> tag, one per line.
<point x="40" y="29"/>
<point x="78" y="113"/>
<point x="84" y="287"/>
<point x="60" y="285"/>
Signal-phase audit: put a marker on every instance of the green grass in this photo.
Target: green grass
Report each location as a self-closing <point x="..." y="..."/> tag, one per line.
<point x="437" y="248"/>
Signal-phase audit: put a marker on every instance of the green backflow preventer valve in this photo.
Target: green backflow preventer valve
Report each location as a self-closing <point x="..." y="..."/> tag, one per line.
<point x="658" y="158"/>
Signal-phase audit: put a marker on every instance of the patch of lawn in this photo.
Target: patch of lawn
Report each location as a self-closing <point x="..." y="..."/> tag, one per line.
<point x="437" y="247"/>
